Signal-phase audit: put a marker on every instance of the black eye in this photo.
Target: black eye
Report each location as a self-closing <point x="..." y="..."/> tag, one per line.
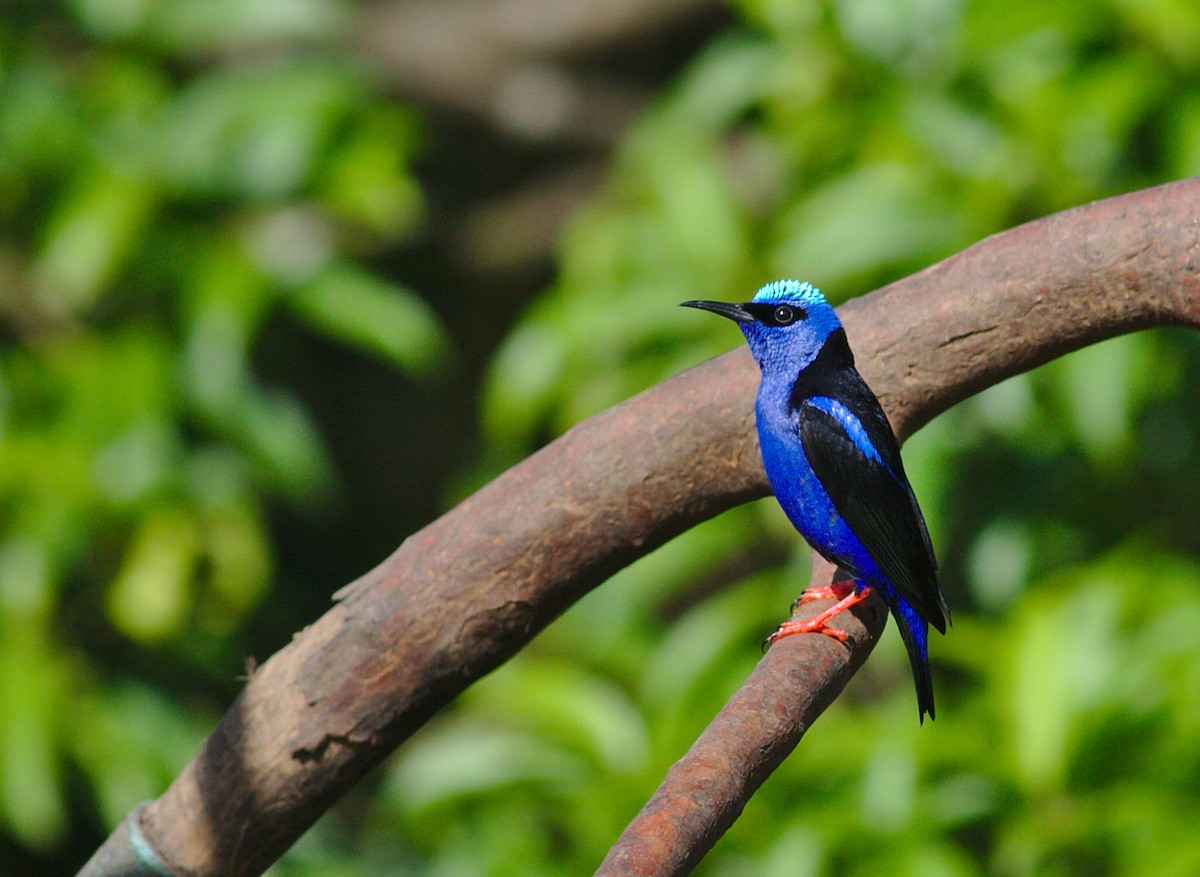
<point x="784" y="314"/>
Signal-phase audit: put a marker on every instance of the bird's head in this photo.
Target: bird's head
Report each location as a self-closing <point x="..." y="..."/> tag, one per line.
<point x="786" y="323"/>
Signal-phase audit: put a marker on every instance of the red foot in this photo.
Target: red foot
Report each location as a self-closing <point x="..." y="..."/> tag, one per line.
<point x="846" y="597"/>
<point x="833" y="591"/>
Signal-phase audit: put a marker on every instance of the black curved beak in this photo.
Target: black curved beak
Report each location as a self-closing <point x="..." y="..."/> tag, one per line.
<point x="725" y="309"/>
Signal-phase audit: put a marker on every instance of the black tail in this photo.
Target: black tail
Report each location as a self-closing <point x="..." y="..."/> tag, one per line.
<point x="915" y="633"/>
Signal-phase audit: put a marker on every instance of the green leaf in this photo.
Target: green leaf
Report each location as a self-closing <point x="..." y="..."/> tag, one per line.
<point x="93" y="232"/>
<point x="348" y="303"/>
<point x="254" y="132"/>
<point x="152" y="596"/>
<point x="874" y="216"/>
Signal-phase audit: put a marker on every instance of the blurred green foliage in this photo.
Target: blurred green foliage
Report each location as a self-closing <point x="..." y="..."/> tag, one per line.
<point x="155" y="212"/>
<point x="165" y="191"/>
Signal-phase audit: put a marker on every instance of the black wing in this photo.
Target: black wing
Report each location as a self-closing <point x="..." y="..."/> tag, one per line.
<point x="879" y="506"/>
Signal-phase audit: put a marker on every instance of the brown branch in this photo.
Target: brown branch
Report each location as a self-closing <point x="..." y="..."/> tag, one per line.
<point x="468" y="591"/>
<point x="705" y="791"/>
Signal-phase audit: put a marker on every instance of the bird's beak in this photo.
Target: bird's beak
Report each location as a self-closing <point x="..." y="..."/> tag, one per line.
<point x="725" y="309"/>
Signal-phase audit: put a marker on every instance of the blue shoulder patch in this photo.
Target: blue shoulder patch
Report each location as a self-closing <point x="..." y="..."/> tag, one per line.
<point x="850" y="423"/>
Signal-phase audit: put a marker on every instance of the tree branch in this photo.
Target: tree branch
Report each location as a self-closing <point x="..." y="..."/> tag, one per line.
<point x="468" y="591"/>
<point x="705" y="791"/>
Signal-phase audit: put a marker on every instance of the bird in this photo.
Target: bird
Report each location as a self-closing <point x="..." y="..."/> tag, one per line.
<point x="834" y="465"/>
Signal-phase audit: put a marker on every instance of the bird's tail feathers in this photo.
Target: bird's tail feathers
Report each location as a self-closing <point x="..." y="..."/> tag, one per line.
<point x="915" y="633"/>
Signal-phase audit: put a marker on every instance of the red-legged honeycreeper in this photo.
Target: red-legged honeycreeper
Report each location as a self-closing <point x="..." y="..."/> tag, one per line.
<point x="835" y="467"/>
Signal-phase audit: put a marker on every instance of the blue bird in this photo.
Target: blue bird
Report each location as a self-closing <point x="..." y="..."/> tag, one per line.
<point x="834" y="465"/>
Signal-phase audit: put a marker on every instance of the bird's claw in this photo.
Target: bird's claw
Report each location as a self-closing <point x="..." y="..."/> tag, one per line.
<point x="834" y="591"/>
<point x="808" y="625"/>
<point x="846" y="597"/>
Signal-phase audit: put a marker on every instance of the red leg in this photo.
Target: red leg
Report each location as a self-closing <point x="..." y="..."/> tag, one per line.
<point x="833" y="591"/>
<point x="818" y="623"/>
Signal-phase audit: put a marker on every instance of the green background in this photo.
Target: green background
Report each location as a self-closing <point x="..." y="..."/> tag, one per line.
<point x="248" y="346"/>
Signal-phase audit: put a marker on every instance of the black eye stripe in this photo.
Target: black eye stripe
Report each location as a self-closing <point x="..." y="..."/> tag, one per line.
<point x="775" y="314"/>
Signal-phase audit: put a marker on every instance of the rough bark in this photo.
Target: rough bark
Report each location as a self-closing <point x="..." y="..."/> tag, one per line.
<point x="468" y="591"/>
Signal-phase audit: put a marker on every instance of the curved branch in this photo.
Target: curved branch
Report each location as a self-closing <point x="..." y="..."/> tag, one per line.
<point x="465" y="593"/>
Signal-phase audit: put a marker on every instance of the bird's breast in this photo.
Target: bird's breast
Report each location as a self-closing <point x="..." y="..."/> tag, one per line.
<point x="805" y="500"/>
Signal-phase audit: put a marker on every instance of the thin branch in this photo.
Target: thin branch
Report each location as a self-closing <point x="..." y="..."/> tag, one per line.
<point x="705" y="791"/>
<point x="468" y="591"/>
